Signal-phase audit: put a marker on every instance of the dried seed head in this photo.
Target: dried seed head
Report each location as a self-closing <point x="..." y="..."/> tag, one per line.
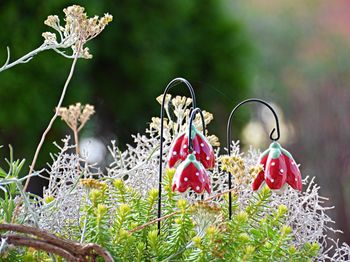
<point x="78" y="30"/>
<point x="76" y="115"/>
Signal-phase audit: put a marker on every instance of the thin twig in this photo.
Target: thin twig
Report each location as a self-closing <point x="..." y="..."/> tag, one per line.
<point x="76" y="139"/>
<point x="54" y="116"/>
<point x="176" y="212"/>
<point x="153" y="221"/>
<point x="24" y="59"/>
<point x="37" y="151"/>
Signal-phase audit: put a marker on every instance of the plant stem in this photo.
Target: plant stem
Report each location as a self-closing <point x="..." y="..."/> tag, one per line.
<point x="52" y="119"/>
<point x="24" y="59"/>
<point x="76" y="139"/>
<point x="176" y="212"/>
<point x="37" y="151"/>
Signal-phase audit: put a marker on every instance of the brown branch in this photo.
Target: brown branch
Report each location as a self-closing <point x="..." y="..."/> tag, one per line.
<point x="152" y="222"/>
<point x="50" y="238"/>
<point x="19" y="240"/>
<point x="219" y="194"/>
<point x="98" y="250"/>
<point x="53" y="244"/>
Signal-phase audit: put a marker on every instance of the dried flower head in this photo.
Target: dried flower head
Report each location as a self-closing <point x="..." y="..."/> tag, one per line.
<point x="50" y="38"/>
<point x="167" y="99"/>
<point x="213" y="140"/>
<point x="236" y="166"/>
<point x="204" y="215"/>
<point x="78" y="30"/>
<point x="93" y="183"/>
<point x="76" y="115"/>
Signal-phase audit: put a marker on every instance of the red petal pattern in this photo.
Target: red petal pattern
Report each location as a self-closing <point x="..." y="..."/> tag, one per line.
<point x="294" y="175"/>
<point x="191" y="174"/>
<point x="275" y="172"/>
<point x="279" y="167"/>
<point x="201" y="148"/>
<point x="174" y="153"/>
<point x="260" y="178"/>
<point x="258" y="181"/>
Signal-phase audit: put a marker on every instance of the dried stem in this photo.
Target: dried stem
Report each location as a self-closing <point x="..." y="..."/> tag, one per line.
<point x="153" y="221"/>
<point x="76" y="139"/>
<point x="24" y="59"/>
<point x="50" y="238"/>
<point x="54" y="116"/>
<point x="37" y="151"/>
<point x="176" y="212"/>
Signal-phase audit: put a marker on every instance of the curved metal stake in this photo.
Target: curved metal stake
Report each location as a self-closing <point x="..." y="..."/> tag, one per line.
<point x="229" y="138"/>
<point x="171" y="84"/>
<point x="193" y="115"/>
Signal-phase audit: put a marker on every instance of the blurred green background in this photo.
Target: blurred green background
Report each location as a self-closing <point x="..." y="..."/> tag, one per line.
<point x="293" y="54"/>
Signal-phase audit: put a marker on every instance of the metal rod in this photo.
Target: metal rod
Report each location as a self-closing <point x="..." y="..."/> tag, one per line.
<point x="193" y="115"/>
<point x="229" y="138"/>
<point x="171" y="84"/>
<point x="190" y="144"/>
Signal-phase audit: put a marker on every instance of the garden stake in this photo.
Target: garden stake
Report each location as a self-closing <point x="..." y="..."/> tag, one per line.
<point x="229" y="139"/>
<point x="171" y="84"/>
<point x="196" y="155"/>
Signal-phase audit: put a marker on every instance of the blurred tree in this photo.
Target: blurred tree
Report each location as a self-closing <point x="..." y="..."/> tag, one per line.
<point x="140" y="52"/>
<point x="162" y="40"/>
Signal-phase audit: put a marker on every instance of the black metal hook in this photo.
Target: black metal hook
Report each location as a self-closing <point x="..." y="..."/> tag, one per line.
<point x="193" y="115"/>
<point x="229" y="138"/>
<point x="171" y="84"/>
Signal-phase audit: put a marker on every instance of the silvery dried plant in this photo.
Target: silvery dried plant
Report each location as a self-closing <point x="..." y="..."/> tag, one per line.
<point x="138" y="166"/>
<point x="307" y="211"/>
<point x="59" y="209"/>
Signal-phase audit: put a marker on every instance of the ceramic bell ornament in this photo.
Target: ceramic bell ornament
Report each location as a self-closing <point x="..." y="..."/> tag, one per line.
<point x="201" y="148"/>
<point x="279" y="169"/>
<point x="191" y="174"/>
<point x="191" y="154"/>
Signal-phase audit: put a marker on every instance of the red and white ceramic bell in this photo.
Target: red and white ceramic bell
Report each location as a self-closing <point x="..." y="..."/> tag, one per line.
<point x="191" y="174"/>
<point x="279" y="168"/>
<point x="201" y="148"/>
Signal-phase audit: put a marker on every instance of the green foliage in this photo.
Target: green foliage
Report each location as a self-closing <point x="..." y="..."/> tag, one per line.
<point x="10" y="187"/>
<point x="114" y="216"/>
<point x="113" y="210"/>
<point x="251" y="237"/>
